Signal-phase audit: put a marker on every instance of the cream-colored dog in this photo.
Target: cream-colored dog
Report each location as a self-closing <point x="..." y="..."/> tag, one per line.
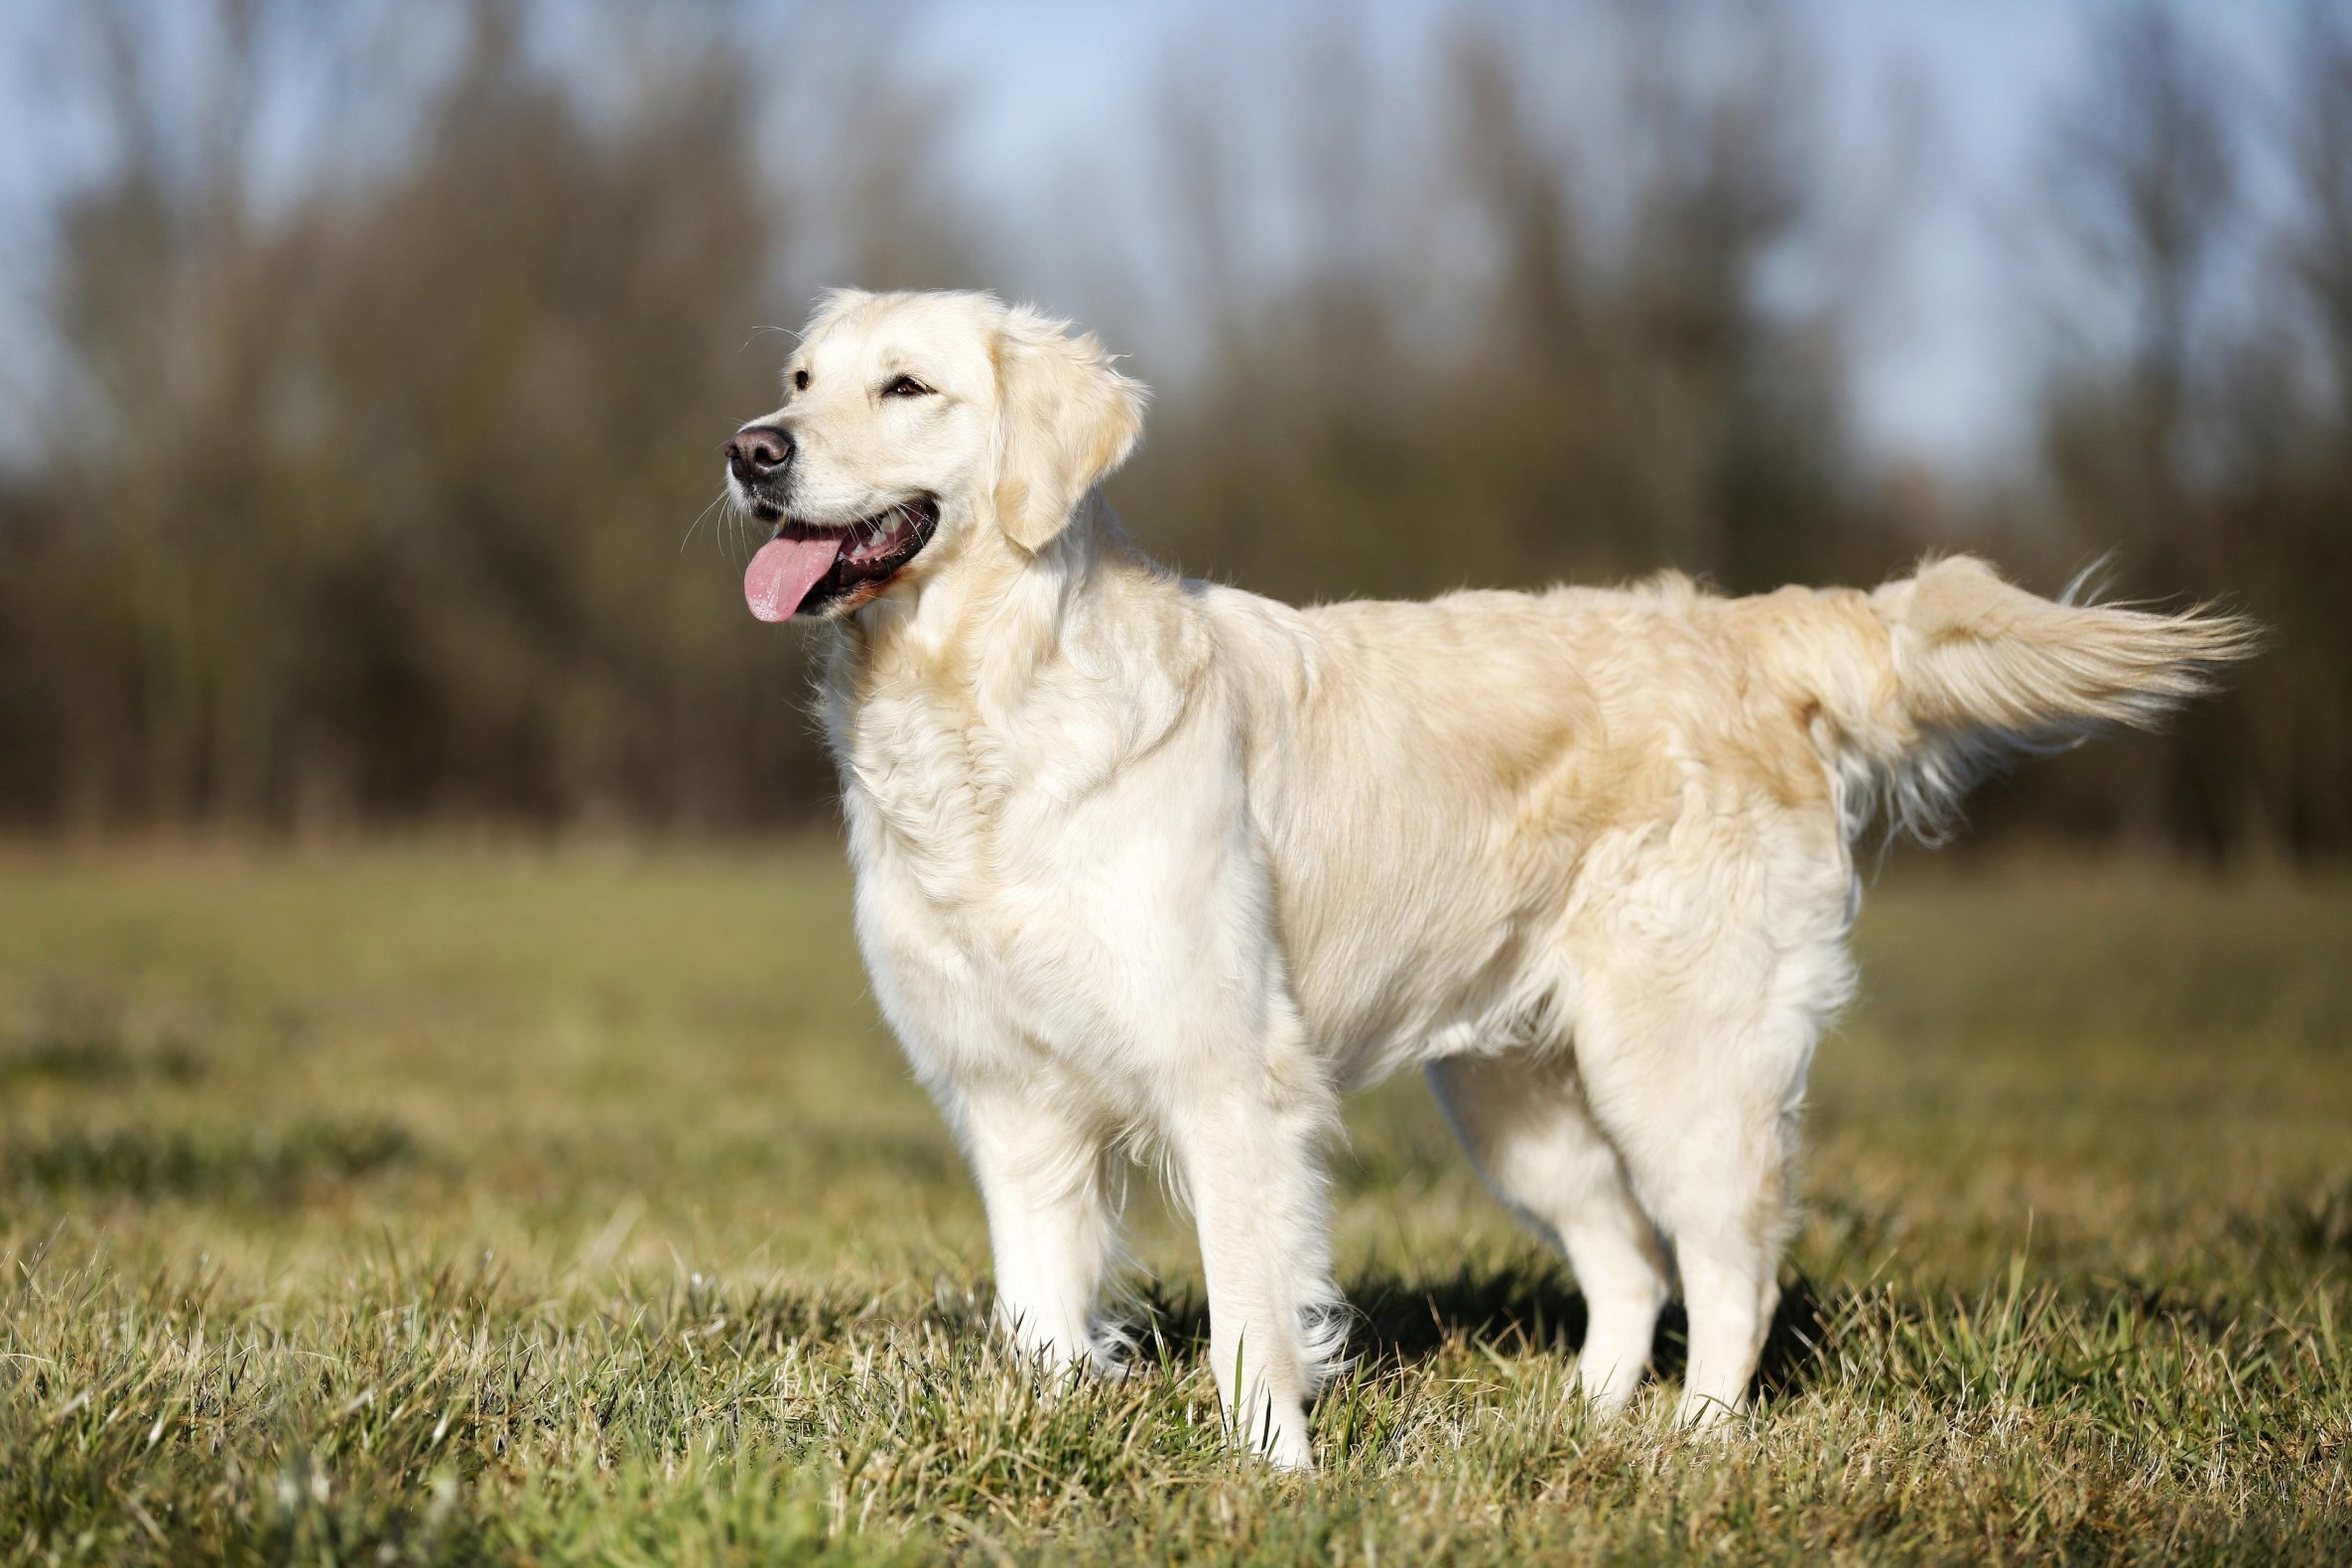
<point x="1146" y="860"/>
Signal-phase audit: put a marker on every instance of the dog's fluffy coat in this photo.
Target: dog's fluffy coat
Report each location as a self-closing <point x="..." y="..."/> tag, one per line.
<point x="1141" y="859"/>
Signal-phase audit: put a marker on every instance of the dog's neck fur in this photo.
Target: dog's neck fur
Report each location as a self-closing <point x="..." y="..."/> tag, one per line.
<point x="992" y="622"/>
<point x="991" y="608"/>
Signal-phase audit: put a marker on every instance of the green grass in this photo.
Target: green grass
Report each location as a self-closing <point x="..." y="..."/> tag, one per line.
<point x="389" y="1205"/>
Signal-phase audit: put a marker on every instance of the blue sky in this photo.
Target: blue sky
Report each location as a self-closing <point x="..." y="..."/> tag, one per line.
<point x="1947" y="342"/>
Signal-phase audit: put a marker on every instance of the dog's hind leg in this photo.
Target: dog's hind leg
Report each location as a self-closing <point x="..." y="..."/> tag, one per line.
<point x="1693" y="1056"/>
<point x="1053" y="1220"/>
<point x="1523" y="1120"/>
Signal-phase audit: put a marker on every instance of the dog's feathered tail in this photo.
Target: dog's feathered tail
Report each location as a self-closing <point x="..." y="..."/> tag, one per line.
<point x="1927" y="684"/>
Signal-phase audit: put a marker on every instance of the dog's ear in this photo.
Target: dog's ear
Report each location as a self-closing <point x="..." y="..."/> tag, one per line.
<point x="1064" y="420"/>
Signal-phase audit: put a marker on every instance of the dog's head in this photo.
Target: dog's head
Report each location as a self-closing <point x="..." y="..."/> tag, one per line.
<point x="912" y="425"/>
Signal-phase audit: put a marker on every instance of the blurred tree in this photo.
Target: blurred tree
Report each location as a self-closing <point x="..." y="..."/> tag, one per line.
<point x="366" y="516"/>
<point x="360" y="494"/>
<point x="1579" y="400"/>
<point x="2195" y="444"/>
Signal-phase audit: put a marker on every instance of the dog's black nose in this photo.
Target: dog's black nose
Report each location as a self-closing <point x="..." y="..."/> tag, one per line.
<point x="758" y="451"/>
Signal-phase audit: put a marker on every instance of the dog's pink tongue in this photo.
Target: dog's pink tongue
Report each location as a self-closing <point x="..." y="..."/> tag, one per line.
<point x="782" y="573"/>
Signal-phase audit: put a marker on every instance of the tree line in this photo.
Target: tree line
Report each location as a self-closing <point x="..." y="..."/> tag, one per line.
<point x="365" y="492"/>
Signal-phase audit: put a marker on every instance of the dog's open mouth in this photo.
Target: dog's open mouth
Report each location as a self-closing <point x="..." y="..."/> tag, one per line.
<point x="805" y="570"/>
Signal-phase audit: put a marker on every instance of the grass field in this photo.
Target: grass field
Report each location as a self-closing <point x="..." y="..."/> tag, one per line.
<point x="447" y="1203"/>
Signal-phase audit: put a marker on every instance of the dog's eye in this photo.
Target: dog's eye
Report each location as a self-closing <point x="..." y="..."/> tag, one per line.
<point x="906" y="386"/>
<point x="800" y="381"/>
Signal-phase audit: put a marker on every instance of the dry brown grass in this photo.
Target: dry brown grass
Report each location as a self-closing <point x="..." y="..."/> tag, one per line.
<point x="456" y="1205"/>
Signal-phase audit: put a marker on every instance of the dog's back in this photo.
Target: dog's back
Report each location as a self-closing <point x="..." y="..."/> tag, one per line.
<point x="1437" y="779"/>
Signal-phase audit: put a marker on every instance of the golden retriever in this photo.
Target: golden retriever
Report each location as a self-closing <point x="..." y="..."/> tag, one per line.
<point x="1143" y="860"/>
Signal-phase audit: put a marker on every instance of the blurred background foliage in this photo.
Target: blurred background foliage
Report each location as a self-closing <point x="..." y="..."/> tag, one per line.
<point x="387" y="351"/>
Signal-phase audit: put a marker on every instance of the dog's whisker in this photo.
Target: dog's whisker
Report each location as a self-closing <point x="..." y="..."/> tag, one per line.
<point x="716" y="500"/>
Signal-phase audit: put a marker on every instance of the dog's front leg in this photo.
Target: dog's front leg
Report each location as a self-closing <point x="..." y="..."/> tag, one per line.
<point x="1052" y="1221"/>
<point x="1250" y="1150"/>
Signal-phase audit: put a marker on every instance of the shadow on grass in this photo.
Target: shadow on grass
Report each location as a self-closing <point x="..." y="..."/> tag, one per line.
<point x="96" y="1057"/>
<point x="2315" y="1226"/>
<point x="276" y="1167"/>
<point x="1517" y="1308"/>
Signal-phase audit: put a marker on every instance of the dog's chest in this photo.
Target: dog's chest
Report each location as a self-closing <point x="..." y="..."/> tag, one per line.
<point x="961" y="850"/>
<point x="959" y="796"/>
<point x="926" y="784"/>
